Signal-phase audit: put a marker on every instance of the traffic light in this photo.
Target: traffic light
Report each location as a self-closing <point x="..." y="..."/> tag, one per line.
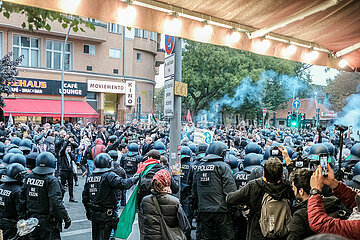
<point x="288" y="120"/>
<point x="294" y="123"/>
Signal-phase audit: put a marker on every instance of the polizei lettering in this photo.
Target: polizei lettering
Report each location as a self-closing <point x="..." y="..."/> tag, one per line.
<point x="203" y="168"/>
<point x="35" y="182"/>
<point x="94" y="179"/>
<point x="4" y="192"/>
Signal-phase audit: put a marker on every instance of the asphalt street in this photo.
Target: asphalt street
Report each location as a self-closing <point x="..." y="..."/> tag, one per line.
<point x="80" y="228"/>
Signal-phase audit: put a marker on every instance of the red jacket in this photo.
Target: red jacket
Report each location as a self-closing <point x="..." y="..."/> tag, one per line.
<point x="320" y="222"/>
<point x="99" y="148"/>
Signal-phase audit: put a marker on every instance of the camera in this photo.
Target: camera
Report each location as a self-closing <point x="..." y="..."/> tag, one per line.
<point x="341" y="127"/>
<point x="300" y="161"/>
<point x="275" y="151"/>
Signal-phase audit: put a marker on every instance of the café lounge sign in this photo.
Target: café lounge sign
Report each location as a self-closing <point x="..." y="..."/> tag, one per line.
<point x="48" y="87"/>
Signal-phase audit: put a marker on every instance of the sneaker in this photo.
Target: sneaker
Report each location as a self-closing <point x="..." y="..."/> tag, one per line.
<point x="77" y="183"/>
<point x="73" y="200"/>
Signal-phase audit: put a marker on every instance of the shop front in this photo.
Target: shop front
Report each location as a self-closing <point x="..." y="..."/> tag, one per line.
<point x="113" y="99"/>
<point x="39" y="100"/>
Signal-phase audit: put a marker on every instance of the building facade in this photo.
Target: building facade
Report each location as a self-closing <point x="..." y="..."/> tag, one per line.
<point x="108" y="70"/>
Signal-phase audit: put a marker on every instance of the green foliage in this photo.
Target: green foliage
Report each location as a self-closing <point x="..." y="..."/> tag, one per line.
<point x="8" y="72"/>
<point x="212" y="71"/>
<point x="39" y="18"/>
<point x="341" y="87"/>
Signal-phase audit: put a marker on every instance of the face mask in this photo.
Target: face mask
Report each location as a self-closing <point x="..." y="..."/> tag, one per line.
<point x="357" y="200"/>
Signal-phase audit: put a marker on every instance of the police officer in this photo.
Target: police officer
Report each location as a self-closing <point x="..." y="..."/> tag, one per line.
<point x="200" y="154"/>
<point x="354" y="184"/>
<point x="160" y="146"/>
<point x="233" y="163"/>
<point x="251" y="161"/>
<point x="99" y="196"/>
<point x="186" y="184"/>
<point x="10" y="190"/>
<point x="352" y="160"/>
<point x="41" y="198"/>
<point x="129" y="162"/>
<point x="213" y="181"/>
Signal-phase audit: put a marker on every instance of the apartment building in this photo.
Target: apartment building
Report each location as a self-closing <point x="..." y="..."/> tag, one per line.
<point x="107" y="72"/>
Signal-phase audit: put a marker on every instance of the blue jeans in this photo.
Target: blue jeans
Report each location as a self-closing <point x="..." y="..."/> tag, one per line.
<point x="91" y="166"/>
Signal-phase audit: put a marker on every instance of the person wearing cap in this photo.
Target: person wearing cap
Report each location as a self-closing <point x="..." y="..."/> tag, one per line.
<point x="10" y="190"/>
<point x="41" y="198"/>
<point x="170" y="208"/>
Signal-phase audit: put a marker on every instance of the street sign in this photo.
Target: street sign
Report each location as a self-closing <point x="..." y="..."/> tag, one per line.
<point x="169" y="44"/>
<point x="264" y="110"/>
<point x="296" y="104"/>
<point x="169" y="98"/>
<point x="169" y="66"/>
<point x="180" y="89"/>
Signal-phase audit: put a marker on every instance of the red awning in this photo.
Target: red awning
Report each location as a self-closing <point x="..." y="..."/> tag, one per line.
<point x="48" y="108"/>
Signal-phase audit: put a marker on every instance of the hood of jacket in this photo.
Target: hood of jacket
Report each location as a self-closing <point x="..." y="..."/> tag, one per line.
<point x="278" y="191"/>
<point x="99" y="141"/>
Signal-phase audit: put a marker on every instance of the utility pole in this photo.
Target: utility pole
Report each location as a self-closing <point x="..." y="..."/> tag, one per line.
<point x="62" y="77"/>
<point x="175" y="122"/>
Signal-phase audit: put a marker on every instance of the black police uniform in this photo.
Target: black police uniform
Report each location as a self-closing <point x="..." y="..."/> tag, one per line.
<point x="9" y="208"/>
<point x="185" y="189"/>
<point x="41" y="198"/>
<point x="353" y="184"/>
<point x="130" y="163"/>
<point x="213" y="180"/>
<point x="241" y="178"/>
<point x="100" y="200"/>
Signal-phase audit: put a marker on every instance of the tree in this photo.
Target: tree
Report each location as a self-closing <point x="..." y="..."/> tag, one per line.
<point x="342" y="86"/>
<point x="8" y="73"/>
<point x="159" y="99"/>
<point x="212" y="71"/>
<point x="38" y="18"/>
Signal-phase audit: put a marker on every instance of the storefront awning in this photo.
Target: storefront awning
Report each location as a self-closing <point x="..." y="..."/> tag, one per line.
<point x="48" y="108"/>
<point x="321" y="32"/>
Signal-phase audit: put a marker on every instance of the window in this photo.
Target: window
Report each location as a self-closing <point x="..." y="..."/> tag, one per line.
<point x="89" y="49"/>
<point x="153" y="36"/>
<point x="29" y="47"/>
<point x="138" y="57"/>
<point x="114" y="53"/>
<point x="54" y="55"/>
<point x="116" y="71"/>
<point x="91" y="99"/>
<point x="281" y="122"/>
<point x="1" y="44"/>
<point x="89" y="68"/>
<point x="145" y="34"/>
<point x="114" y="28"/>
<point x="138" y="32"/>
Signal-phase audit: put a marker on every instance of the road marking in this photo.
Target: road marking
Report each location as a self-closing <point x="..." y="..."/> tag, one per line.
<point x="76" y="232"/>
<point x="80" y="220"/>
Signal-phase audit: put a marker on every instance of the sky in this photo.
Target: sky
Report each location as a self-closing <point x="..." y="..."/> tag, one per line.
<point x="318" y="73"/>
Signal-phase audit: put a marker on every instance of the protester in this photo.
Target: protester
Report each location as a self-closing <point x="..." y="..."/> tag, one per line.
<point x="160" y="204"/>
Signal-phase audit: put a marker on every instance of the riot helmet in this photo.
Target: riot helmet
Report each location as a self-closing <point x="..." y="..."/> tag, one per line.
<point x="317" y="149"/>
<point x="18" y="158"/>
<point x="232" y="161"/>
<point x="192" y="147"/>
<point x="251" y="160"/>
<point x="45" y="163"/>
<point x="356" y="172"/>
<point x="16" y="141"/>
<point x="133" y="149"/>
<point x="102" y="163"/>
<point x="355" y="153"/>
<point x="31" y="160"/>
<point x="160" y="146"/>
<point x="114" y="155"/>
<point x="15" y="151"/>
<point x="253" y="148"/>
<point x="216" y="151"/>
<point x="26" y="145"/>
<point x="185" y="152"/>
<point x="15" y="172"/>
<point x="202" y="147"/>
<point x="6" y="158"/>
<point x="112" y="138"/>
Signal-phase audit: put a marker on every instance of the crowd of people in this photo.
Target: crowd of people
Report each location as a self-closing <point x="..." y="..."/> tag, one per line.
<point x="248" y="183"/>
